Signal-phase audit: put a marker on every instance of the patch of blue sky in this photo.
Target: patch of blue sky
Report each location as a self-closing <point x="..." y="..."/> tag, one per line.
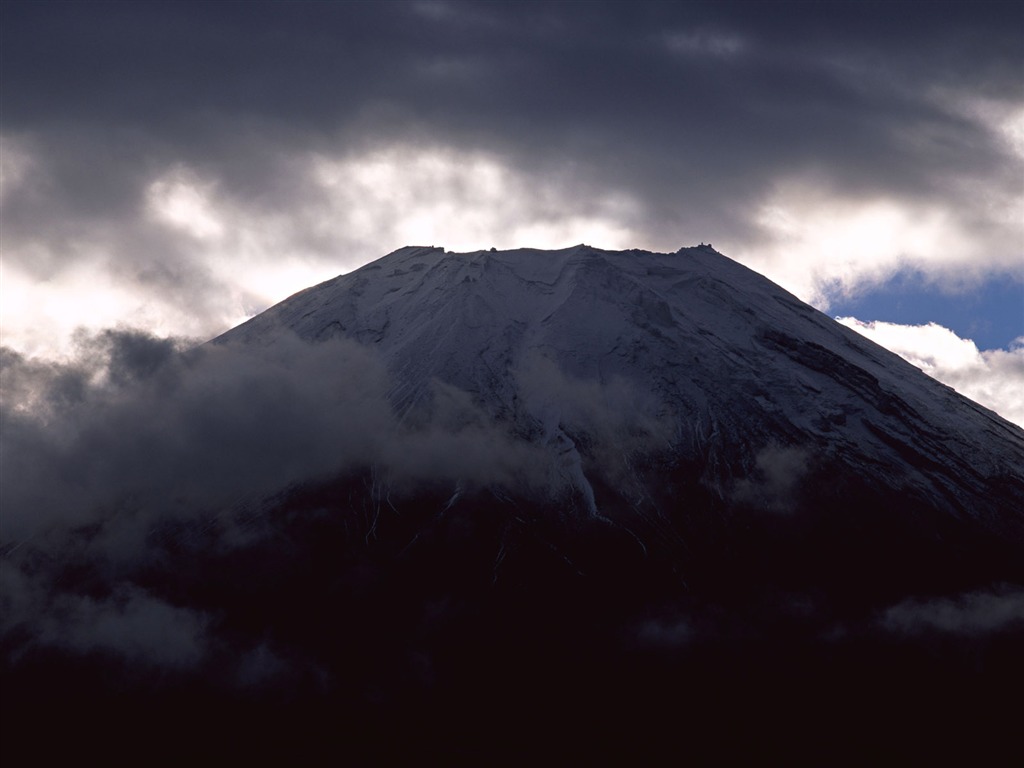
<point x="991" y="314"/>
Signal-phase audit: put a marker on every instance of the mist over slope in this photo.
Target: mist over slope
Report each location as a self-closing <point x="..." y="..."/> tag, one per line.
<point x="458" y="496"/>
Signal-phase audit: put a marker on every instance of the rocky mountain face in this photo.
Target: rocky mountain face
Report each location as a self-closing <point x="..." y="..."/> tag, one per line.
<point x="622" y="506"/>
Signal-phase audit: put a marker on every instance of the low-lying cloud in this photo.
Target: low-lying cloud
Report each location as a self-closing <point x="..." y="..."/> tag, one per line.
<point x="140" y="423"/>
<point x="772" y="486"/>
<point x="136" y="436"/>
<point x="973" y="614"/>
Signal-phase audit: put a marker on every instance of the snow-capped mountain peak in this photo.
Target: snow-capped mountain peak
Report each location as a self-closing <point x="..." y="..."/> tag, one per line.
<point x="725" y="362"/>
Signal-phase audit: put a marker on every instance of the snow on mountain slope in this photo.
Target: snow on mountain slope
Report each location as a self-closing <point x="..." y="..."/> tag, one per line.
<point x="731" y="367"/>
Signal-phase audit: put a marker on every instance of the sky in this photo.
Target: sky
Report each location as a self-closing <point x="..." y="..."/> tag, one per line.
<point x="174" y="168"/>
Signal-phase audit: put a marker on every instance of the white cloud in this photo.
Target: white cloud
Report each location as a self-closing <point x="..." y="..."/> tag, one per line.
<point x="41" y="318"/>
<point x="464" y="201"/>
<point x="993" y="377"/>
<point x="182" y="200"/>
<point x="819" y="245"/>
<point x="817" y="238"/>
<point x="226" y="256"/>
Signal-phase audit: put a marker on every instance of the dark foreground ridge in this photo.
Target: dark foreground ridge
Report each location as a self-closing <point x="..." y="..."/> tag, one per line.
<point x="611" y="507"/>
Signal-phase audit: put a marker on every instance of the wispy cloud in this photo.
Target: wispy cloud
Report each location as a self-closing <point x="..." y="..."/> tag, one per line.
<point x="971" y="614"/>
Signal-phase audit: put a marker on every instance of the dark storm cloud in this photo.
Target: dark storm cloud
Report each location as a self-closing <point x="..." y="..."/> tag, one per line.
<point x="314" y="62"/>
<point x="694" y="110"/>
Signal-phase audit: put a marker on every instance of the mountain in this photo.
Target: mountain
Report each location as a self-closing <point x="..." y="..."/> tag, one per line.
<point x="622" y="507"/>
<point x="733" y="367"/>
